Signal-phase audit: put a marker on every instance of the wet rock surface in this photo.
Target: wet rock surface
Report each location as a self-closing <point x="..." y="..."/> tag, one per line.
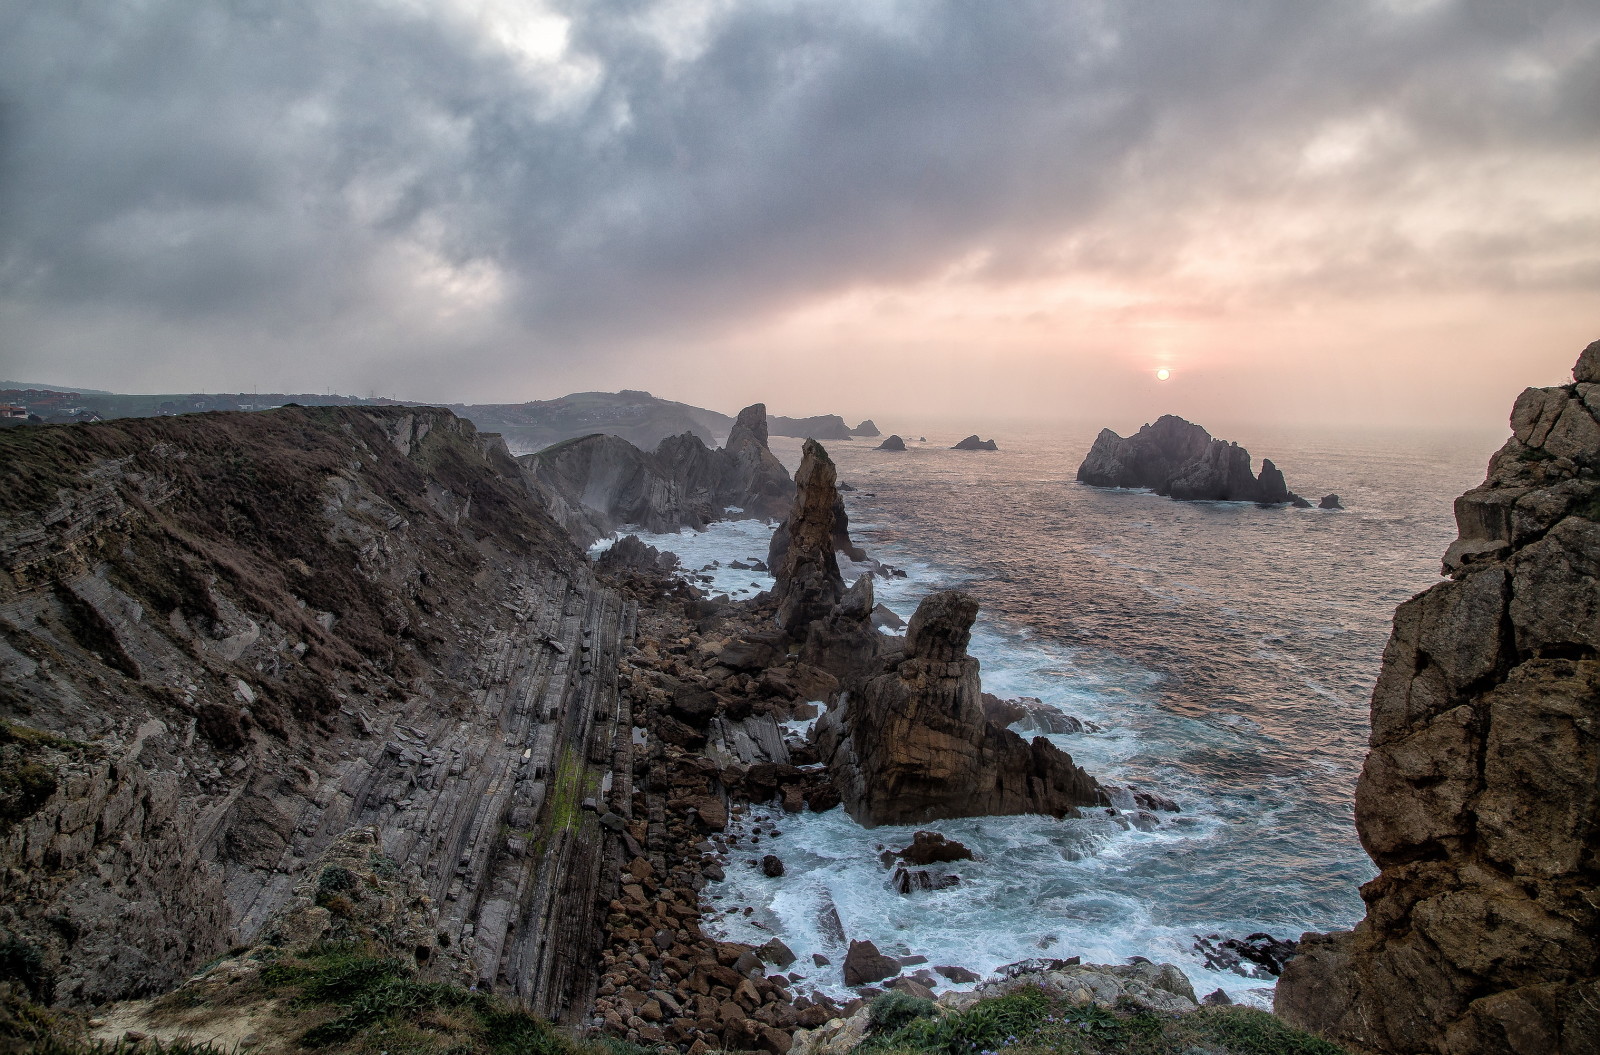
<point x="1479" y="800"/>
<point x="1180" y="459"/>
<point x="915" y="744"/>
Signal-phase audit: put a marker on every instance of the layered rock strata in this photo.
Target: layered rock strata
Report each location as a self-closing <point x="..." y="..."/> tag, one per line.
<point x="228" y="640"/>
<point x="1480" y="797"/>
<point x="802" y="556"/>
<point x="915" y="744"/>
<point x="1179" y="459"/>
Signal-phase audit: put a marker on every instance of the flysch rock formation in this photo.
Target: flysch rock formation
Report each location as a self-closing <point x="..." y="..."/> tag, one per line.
<point x="1480" y="797"/>
<point x="598" y="483"/>
<point x="227" y="640"/>
<point x="915" y="745"/>
<point x="1179" y="459"/>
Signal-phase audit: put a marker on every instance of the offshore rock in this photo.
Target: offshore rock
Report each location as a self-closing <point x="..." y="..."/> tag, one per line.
<point x="1180" y="459"/>
<point x="1330" y="502"/>
<point x="1480" y="797"/>
<point x="866" y="428"/>
<point x="916" y="745"/>
<point x="972" y="443"/>
<point x="893" y="443"/>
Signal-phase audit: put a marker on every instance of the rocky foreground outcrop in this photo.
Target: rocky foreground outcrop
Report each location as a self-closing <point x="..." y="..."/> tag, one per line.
<point x="1480" y="798"/>
<point x="227" y="640"/>
<point x="915" y="744"/>
<point x="1180" y="459"/>
<point x="597" y="483"/>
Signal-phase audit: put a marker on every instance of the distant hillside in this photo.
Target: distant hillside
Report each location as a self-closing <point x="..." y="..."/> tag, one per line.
<point x="638" y="417"/>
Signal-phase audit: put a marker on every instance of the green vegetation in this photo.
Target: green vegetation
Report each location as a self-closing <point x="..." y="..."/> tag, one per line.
<point x="1031" y="1022"/>
<point x="353" y="1002"/>
<point x="566" y="795"/>
<point x="62" y="1046"/>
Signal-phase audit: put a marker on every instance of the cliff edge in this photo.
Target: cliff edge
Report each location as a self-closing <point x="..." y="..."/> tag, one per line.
<point x="1480" y="797"/>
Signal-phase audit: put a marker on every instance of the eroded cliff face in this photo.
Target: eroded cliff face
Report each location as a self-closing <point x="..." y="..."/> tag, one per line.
<point x="227" y="640"/>
<point x="1480" y="798"/>
<point x="915" y="744"/>
<point x="598" y="483"/>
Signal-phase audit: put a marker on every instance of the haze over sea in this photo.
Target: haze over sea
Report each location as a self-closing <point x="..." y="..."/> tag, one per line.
<point x="1226" y="653"/>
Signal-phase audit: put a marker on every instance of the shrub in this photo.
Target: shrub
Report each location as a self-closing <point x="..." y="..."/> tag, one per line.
<point x="894" y="1009"/>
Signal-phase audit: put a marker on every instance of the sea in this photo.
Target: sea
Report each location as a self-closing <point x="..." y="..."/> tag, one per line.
<point x="1222" y="654"/>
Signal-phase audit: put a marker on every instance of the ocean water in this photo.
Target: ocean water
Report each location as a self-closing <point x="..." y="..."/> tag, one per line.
<point x="1224" y="653"/>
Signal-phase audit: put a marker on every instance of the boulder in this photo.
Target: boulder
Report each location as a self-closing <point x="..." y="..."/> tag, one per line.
<point x="864" y="964"/>
<point x="914" y="744"/>
<point x="772" y="866"/>
<point x="893" y="443"/>
<point x="1180" y="459"/>
<point x="958" y="975"/>
<point x="885" y="618"/>
<point x="972" y="443"/>
<point x="1480" y="797"/>
<point x="933" y="848"/>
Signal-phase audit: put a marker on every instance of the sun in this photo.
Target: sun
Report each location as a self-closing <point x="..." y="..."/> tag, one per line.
<point x="1163" y="373"/>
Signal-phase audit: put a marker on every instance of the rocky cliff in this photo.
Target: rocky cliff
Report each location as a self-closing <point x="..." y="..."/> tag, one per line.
<point x="915" y="744"/>
<point x="226" y="640"/>
<point x="1180" y="459"/>
<point x="1480" y="797"/>
<point x="598" y="483"/>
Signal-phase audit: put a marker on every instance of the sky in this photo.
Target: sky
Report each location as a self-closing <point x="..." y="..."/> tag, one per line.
<point x="1366" y="212"/>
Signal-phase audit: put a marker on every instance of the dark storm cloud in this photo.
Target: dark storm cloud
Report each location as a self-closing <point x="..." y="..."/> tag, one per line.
<point x="267" y="164"/>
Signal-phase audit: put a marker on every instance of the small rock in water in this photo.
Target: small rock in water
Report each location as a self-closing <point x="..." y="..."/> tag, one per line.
<point x="1329" y="502"/>
<point x="958" y="975"/>
<point x="864" y="964"/>
<point x="1259" y="955"/>
<point x="772" y="866"/>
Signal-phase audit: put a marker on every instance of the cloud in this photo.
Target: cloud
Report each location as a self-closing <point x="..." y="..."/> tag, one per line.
<point x="474" y="188"/>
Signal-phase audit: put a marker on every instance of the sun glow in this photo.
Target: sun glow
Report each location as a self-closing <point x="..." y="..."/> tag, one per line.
<point x="1163" y="374"/>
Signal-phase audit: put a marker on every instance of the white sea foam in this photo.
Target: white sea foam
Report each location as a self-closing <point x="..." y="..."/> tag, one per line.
<point x="1086" y="886"/>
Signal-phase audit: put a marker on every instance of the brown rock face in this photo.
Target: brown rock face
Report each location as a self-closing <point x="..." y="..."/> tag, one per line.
<point x="915" y="745"/>
<point x="806" y="570"/>
<point x="1480" y="799"/>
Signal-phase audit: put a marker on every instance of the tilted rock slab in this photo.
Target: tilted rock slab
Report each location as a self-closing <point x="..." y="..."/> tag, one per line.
<point x="1180" y="459"/>
<point x="915" y="745"/>
<point x="1480" y="798"/>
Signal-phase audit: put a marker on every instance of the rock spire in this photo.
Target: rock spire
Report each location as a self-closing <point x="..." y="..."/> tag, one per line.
<point x="914" y="744"/>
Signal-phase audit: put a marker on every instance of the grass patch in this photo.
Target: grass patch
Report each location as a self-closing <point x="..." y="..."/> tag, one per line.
<point x="566" y="794"/>
<point x="1030" y="1022"/>
<point x="357" y="1002"/>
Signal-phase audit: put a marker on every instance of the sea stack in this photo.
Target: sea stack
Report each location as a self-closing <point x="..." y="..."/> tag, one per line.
<point x="893" y="443"/>
<point x="1180" y="459"/>
<point x="1480" y="798"/>
<point x="802" y="554"/>
<point x="867" y="428"/>
<point x="915" y="745"/>
<point x="972" y="443"/>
